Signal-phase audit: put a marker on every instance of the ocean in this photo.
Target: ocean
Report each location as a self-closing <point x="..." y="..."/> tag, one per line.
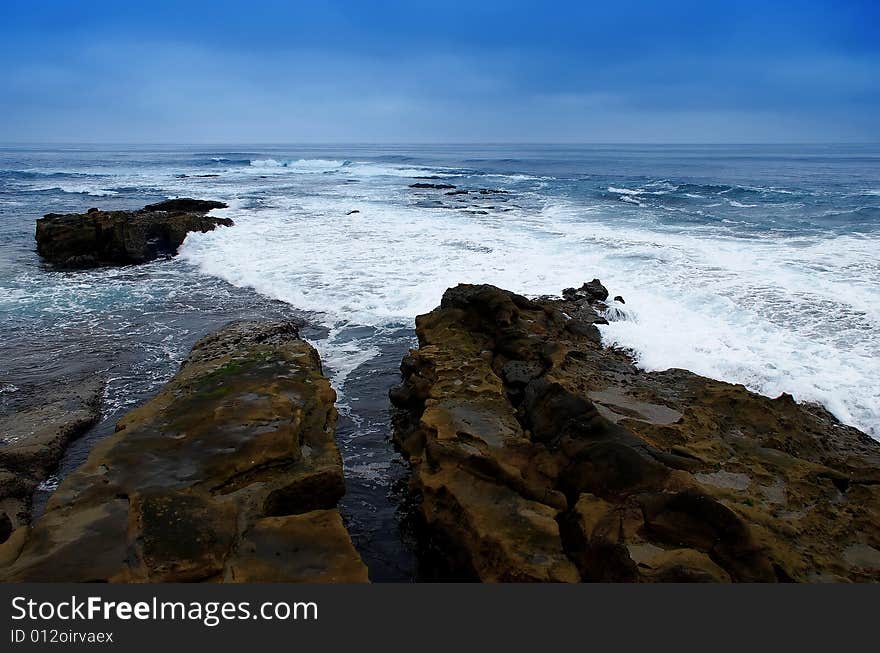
<point x="753" y="264"/>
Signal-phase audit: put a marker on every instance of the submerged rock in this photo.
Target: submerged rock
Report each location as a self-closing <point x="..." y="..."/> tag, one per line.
<point x="78" y="240"/>
<point x="34" y="433"/>
<point x="539" y="455"/>
<point x="230" y="474"/>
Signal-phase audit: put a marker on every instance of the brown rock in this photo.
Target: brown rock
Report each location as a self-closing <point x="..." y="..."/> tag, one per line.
<point x="231" y="473"/>
<point x="526" y="439"/>
<point x="34" y="433"/>
<point x="311" y="547"/>
<point x="78" y="240"/>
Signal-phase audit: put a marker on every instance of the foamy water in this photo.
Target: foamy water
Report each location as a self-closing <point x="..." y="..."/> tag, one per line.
<point x="766" y="277"/>
<point x="776" y="314"/>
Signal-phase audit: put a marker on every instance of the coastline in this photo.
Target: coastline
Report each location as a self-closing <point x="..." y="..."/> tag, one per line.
<point x="484" y="442"/>
<point x="757" y="289"/>
<point x="360" y="355"/>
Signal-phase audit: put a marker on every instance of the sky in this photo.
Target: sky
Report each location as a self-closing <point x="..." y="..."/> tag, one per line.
<point x="260" y="71"/>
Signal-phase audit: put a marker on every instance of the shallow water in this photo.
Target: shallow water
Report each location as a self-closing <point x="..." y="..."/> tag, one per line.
<point x="756" y="265"/>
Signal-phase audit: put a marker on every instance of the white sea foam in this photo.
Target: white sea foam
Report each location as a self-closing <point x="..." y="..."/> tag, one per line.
<point x="343" y="356"/>
<point x="779" y="315"/>
<point x="654" y="188"/>
<point x="740" y="205"/>
<point x="299" y="165"/>
<point x="82" y="189"/>
<point x="50" y="484"/>
<point x="624" y="191"/>
<point x="348" y="168"/>
<point x="519" y="177"/>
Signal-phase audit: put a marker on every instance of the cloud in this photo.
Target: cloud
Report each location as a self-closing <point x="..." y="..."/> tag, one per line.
<point x="345" y="74"/>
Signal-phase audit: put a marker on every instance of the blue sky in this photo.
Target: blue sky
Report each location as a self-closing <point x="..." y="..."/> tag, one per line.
<point x="477" y="71"/>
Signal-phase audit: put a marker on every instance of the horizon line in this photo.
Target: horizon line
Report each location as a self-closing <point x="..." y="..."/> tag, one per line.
<point x="435" y="143"/>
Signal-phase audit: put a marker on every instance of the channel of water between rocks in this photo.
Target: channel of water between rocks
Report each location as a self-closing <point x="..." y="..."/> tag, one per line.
<point x="374" y="506"/>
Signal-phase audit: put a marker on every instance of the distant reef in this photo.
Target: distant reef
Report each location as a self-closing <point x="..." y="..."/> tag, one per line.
<point x="537" y="454"/>
<point x="230" y="474"/>
<point x="95" y="238"/>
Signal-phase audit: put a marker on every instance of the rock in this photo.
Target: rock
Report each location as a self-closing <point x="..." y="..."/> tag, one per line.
<point x="5" y="527"/>
<point x="521" y="372"/>
<point x="537" y="454"/>
<point x="490" y="521"/>
<point x="312" y="547"/>
<point x="618" y="298"/>
<point x="36" y="431"/>
<point x="592" y="291"/>
<point x="10" y="549"/>
<point x="422" y="184"/>
<point x="185" y="205"/>
<point x="97" y="237"/>
<point x="230" y="474"/>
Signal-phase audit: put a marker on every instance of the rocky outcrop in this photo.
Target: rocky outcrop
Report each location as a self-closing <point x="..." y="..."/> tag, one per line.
<point x="77" y="240"/>
<point x="185" y="205"/>
<point x="230" y="474"/>
<point x="35" y="429"/>
<point x="424" y="185"/>
<point x="539" y="455"/>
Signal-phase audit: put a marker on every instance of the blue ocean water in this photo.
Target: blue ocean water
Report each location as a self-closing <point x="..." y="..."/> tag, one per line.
<point x="753" y="264"/>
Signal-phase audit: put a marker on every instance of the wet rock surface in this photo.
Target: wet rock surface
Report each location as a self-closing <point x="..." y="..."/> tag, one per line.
<point x="539" y="455"/>
<point x="230" y="474"/>
<point x="94" y="238"/>
<point x="36" y="425"/>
